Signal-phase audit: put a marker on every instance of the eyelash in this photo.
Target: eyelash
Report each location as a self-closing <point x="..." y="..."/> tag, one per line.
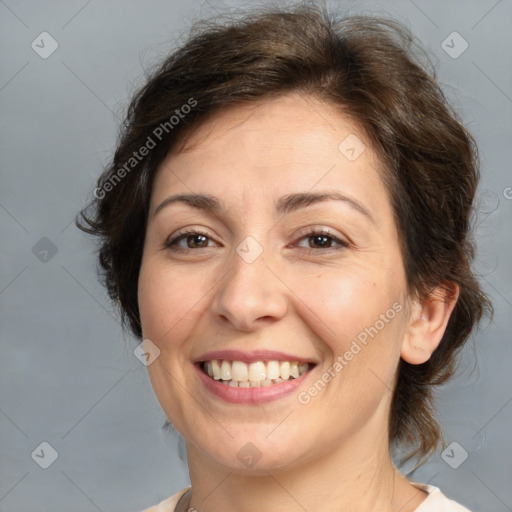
<point x="171" y="244"/>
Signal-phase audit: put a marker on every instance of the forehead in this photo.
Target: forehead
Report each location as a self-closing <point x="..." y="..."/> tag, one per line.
<point x="281" y="123"/>
<point x="293" y="142"/>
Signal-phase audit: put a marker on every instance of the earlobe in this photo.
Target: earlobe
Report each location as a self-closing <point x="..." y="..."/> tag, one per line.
<point x="427" y="324"/>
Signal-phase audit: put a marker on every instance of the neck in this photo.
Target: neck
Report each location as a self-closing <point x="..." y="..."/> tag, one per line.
<point x="356" y="477"/>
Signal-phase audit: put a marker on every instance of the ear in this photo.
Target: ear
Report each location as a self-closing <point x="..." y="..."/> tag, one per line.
<point x="427" y="323"/>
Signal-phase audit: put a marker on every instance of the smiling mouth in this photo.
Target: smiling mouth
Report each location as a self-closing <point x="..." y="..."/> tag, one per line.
<point x="253" y="375"/>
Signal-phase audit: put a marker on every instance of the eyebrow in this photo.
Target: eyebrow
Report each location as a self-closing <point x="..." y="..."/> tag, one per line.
<point x="284" y="205"/>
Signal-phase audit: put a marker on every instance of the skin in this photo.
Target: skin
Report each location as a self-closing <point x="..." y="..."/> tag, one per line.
<point x="298" y="296"/>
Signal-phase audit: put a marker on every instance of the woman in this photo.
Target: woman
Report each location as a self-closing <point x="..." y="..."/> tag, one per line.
<point x="285" y="223"/>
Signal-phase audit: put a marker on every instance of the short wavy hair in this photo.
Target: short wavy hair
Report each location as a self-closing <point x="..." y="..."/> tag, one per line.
<point x="367" y="67"/>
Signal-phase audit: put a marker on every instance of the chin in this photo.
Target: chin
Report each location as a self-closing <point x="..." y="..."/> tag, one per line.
<point x="257" y="457"/>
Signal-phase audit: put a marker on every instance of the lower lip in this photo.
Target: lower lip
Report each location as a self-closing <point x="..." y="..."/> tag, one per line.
<point x="252" y="396"/>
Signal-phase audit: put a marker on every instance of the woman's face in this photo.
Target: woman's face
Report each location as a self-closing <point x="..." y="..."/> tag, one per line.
<point x="274" y="277"/>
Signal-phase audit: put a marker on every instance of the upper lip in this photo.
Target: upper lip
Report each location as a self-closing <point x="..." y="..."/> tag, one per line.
<point x="252" y="356"/>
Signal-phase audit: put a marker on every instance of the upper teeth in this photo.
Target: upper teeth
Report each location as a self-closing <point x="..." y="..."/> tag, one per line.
<point x="254" y="372"/>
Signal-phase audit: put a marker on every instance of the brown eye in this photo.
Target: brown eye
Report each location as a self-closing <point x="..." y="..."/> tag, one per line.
<point x="193" y="240"/>
<point x="196" y="241"/>
<point x="323" y="240"/>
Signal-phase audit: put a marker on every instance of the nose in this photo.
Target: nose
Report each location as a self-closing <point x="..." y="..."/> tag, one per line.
<point x="250" y="295"/>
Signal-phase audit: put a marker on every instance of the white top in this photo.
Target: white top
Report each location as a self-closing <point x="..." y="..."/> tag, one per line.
<point x="435" y="502"/>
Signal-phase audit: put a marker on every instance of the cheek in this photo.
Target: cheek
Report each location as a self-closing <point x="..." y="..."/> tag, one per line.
<point x="348" y="304"/>
<point x="169" y="299"/>
<point x="360" y="323"/>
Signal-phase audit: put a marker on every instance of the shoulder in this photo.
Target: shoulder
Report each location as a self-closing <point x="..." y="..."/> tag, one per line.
<point x="169" y="504"/>
<point x="437" y="501"/>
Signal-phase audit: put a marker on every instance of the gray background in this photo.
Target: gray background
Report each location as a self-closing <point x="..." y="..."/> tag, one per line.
<point x="68" y="375"/>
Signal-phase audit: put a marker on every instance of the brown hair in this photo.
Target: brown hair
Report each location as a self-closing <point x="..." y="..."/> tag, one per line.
<point x="371" y="69"/>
